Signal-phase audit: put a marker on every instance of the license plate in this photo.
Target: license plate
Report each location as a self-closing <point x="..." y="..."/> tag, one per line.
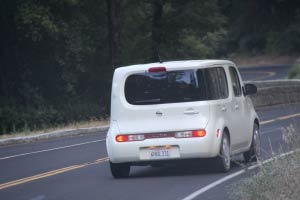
<point x="159" y="153"/>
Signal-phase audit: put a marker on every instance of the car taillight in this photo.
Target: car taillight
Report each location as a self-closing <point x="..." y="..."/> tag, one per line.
<point x="141" y="137"/>
<point x="157" y="69"/>
<point x="199" y="133"/>
<point x="189" y="134"/>
<point x="122" y="138"/>
<point x="136" y="137"/>
<point x="183" y="134"/>
<point x="130" y="138"/>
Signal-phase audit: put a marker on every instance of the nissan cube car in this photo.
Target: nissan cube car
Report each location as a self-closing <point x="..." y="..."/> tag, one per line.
<point x="180" y="110"/>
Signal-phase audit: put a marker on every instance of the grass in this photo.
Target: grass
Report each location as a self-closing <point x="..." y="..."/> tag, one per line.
<point x="77" y="125"/>
<point x="277" y="180"/>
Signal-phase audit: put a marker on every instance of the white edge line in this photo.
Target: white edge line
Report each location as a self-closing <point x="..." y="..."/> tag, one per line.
<point x="46" y="150"/>
<point x="214" y="184"/>
<point x="226" y="178"/>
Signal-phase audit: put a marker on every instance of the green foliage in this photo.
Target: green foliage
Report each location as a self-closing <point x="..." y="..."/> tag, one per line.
<point x="51" y="61"/>
<point x="294" y="71"/>
<point x="36" y="18"/>
<point x="205" y="47"/>
<point x="190" y="30"/>
<point x="262" y="26"/>
<point x="25" y="119"/>
<point x="193" y="29"/>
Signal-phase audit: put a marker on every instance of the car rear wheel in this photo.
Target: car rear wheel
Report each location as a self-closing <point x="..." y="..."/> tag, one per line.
<point x="119" y="170"/>
<point x="254" y="152"/>
<point x="224" y="156"/>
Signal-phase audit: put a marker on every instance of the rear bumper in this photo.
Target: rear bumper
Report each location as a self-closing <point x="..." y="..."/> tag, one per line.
<point x="189" y="148"/>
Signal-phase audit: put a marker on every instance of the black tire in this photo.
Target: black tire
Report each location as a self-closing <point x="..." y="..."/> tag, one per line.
<point x="223" y="160"/>
<point x="119" y="170"/>
<point x="253" y="154"/>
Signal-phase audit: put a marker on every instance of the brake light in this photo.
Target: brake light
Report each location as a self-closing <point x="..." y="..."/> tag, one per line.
<point x="141" y="137"/>
<point x="199" y="133"/>
<point x="157" y="69"/>
<point x="122" y="138"/>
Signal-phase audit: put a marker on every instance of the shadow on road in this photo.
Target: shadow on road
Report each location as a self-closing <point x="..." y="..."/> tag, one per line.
<point x="194" y="167"/>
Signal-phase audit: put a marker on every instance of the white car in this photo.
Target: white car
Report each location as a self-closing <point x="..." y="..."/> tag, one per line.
<point x="180" y="110"/>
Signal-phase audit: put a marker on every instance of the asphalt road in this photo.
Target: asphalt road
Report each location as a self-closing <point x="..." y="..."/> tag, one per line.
<point x="77" y="168"/>
<point x="264" y="72"/>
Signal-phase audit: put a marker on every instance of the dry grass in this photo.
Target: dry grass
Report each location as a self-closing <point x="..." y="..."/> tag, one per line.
<point x="279" y="179"/>
<point x="77" y="125"/>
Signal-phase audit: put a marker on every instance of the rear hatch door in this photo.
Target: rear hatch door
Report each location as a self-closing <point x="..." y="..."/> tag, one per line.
<point x="162" y="101"/>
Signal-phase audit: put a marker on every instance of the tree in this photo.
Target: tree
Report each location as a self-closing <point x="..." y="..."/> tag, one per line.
<point x="157" y="6"/>
<point x="113" y="9"/>
<point x="192" y="29"/>
<point x="264" y="26"/>
<point x="50" y="55"/>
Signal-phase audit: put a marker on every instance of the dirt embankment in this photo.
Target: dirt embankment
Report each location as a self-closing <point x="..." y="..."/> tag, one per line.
<point x="264" y="60"/>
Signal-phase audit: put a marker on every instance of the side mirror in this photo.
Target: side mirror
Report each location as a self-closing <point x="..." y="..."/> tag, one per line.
<point x="250" y="89"/>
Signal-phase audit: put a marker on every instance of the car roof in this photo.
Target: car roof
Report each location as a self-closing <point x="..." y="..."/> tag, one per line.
<point x="172" y="65"/>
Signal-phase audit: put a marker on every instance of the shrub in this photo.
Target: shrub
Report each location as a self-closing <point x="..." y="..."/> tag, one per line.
<point x="15" y="118"/>
<point x="294" y="72"/>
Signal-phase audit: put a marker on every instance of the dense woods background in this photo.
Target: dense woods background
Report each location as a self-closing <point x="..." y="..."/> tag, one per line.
<point x="57" y="56"/>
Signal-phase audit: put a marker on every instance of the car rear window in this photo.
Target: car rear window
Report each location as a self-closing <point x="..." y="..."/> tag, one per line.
<point x="176" y="86"/>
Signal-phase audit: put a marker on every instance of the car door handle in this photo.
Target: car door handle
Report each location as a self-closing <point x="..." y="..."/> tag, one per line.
<point x="159" y="113"/>
<point x="236" y="106"/>
<point x="190" y="112"/>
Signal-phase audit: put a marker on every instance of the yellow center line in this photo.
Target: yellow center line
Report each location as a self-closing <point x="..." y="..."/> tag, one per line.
<point x="101" y="160"/>
<point x="280" y="118"/>
<point x="288" y="116"/>
<point x="50" y="173"/>
<point x="267" y="122"/>
<point x="268" y="74"/>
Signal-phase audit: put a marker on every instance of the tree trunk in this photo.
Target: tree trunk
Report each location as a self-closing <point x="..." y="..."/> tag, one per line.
<point x="157" y="6"/>
<point x="113" y="7"/>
